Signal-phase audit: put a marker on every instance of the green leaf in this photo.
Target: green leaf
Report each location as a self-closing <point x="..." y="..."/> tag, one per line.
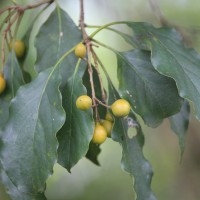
<point x="133" y="160"/>
<point x="12" y="190"/>
<point x="14" y="79"/>
<point x="29" y="144"/>
<point x="27" y="62"/>
<point x="152" y="95"/>
<point x="35" y="21"/>
<point x="76" y="134"/>
<point x="57" y="35"/>
<point x="170" y="57"/>
<point x="179" y="124"/>
<point x="93" y="152"/>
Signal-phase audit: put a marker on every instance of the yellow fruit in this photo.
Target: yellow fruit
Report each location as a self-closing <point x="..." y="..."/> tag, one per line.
<point x="99" y="135"/>
<point x="80" y="50"/>
<point x="83" y="102"/>
<point x="108" y="126"/>
<point x="109" y="117"/>
<point x="2" y="83"/>
<point x="19" y="48"/>
<point x="120" y="108"/>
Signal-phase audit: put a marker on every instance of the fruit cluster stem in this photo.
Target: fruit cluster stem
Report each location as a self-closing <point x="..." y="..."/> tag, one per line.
<point x="89" y="49"/>
<point x="15" y="13"/>
<point x="28" y="7"/>
<point x="99" y="75"/>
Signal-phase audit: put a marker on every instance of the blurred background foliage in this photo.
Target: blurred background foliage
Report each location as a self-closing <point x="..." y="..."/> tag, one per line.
<point x="173" y="179"/>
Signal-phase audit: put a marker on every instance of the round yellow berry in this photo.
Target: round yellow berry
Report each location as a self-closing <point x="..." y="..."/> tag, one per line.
<point x="108" y="126"/>
<point x="19" y="48"/>
<point x="80" y="50"/>
<point x="83" y="102"/>
<point x="120" y="108"/>
<point x="2" y="83"/>
<point x="99" y="135"/>
<point x="109" y="117"/>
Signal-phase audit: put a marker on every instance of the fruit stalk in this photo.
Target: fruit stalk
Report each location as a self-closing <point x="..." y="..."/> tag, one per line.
<point x="4" y="38"/>
<point x="16" y="13"/>
<point x="23" y="8"/>
<point x="99" y="75"/>
<point x="88" y="47"/>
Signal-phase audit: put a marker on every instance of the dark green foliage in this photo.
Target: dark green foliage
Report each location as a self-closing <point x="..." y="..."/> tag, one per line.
<point x="145" y="88"/>
<point x="40" y="124"/>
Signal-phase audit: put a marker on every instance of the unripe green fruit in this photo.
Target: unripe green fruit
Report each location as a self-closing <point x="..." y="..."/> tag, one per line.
<point x="99" y="135"/>
<point x="19" y="48"/>
<point x="83" y="102"/>
<point x="2" y="83"/>
<point x="80" y="50"/>
<point x="108" y="125"/>
<point x="120" y="108"/>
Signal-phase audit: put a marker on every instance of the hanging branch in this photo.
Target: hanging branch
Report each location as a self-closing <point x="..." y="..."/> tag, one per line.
<point x="90" y="52"/>
<point x="19" y="8"/>
<point x="88" y="47"/>
<point x="15" y="14"/>
<point x="99" y="75"/>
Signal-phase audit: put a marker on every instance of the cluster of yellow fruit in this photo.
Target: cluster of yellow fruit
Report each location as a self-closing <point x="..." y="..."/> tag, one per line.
<point x="120" y="108"/>
<point x="103" y="129"/>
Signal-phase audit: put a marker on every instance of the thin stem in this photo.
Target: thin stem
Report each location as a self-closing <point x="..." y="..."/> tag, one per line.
<point x="37" y="4"/>
<point x="90" y="71"/>
<point x="15" y="14"/>
<point x="4" y="38"/>
<point x="88" y="47"/>
<point x="5" y="9"/>
<point x="23" y="8"/>
<point x="103" y="104"/>
<point x="104" y="69"/>
<point x="64" y="56"/>
<point x="105" y="26"/>
<point x="7" y="19"/>
<point x="82" y="23"/>
<point x="99" y="75"/>
<point x="156" y="9"/>
<point x="104" y="45"/>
